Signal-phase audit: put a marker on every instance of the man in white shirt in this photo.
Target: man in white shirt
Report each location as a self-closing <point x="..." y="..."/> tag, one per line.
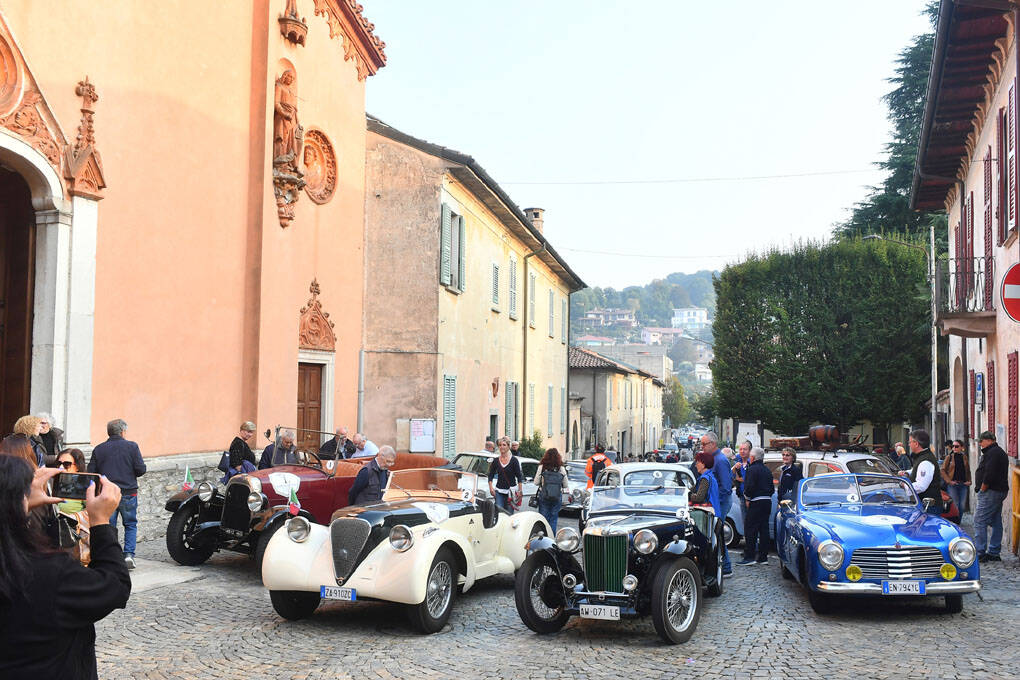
<point x="363" y="447"/>
<point x="923" y="475"/>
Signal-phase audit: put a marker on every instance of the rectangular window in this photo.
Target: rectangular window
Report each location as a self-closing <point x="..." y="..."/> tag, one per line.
<point x="552" y="314"/>
<point x="531" y="410"/>
<point x="563" y="321"/>
<point x="531" y="300"/>
<point x="513" y="287"/>
<point x="1011" y="160"/>
<point x="451" y="255"/>
<point x="449" y="416"/>
<point x="495" y="286"/>
<point x="549" y="413"/>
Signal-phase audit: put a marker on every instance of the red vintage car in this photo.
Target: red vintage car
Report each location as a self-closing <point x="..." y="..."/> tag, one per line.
<point x="244" y="516"/>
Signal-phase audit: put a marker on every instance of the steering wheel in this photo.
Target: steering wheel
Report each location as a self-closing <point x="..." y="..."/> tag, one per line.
<point x="880" y="497"/>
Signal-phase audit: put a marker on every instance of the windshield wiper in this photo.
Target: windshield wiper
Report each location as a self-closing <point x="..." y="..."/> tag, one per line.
<point x="402" y="489"/>
<point x="654" y="488"/>
<point x="807" y="505"/>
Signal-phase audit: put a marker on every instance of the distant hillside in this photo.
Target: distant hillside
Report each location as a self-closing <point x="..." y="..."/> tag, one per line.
<point x="653" y="304"/>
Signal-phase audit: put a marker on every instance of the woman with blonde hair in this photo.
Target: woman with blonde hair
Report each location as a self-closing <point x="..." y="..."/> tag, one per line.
<point x="30" y="426"/>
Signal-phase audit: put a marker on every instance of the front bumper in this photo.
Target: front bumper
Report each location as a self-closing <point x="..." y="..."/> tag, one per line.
<point x="935" y="588"/>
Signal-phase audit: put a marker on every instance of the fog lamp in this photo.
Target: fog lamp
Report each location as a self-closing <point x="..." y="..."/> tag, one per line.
<point x="255" y="501"/>
<point x="630" y="582"/>
<point x="948" y="572"/>
<point x="205" y="492"/>
<point x="401" y="538"/>
<point x="298" y="529"/>
<point x="854" y="573"/>
<point x="569" y="581"/>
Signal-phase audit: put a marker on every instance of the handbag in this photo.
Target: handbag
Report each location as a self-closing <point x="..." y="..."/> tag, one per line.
<point x="533" y="501"/>
<point x="224" y="462"/>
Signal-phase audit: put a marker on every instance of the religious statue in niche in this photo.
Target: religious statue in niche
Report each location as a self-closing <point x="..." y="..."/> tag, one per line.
<point x="287" y="139"/>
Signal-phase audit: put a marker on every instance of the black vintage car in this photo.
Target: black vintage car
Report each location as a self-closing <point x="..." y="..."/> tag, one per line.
<point x="645" y="551"/>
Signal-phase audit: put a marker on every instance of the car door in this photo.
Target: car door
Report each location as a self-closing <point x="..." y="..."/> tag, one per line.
<point x="529" y="467"/>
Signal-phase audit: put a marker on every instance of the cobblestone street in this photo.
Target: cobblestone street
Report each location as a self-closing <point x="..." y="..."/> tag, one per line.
<point x="220" y="624"/>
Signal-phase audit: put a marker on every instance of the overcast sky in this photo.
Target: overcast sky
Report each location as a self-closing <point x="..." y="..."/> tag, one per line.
<point x="590" y="108"/>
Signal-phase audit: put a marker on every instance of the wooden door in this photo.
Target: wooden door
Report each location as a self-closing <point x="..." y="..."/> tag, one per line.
<point x="17" y="274"/>
<point x="309" y="406"/>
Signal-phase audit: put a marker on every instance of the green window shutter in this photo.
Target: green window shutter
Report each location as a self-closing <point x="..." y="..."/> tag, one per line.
<point x="445" y="245"/>
<point x="495" y="284"/>
<point x="531" y="410"/>
<point x="552" y="314"/>
<point x="563" y="321"/>
<point x="513" y="288"/>
<point x="549" y="412"/>
<point x="508" y="411"/>
<point x="449" y="415"/>
<point x="563" y="410"/>
<point x="460" y="255"/>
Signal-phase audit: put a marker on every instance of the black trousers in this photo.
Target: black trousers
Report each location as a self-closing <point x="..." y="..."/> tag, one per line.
<point x="756" y="530"/>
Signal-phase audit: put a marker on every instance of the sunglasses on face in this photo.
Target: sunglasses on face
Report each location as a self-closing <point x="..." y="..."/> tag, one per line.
<point x="66" y="464"/>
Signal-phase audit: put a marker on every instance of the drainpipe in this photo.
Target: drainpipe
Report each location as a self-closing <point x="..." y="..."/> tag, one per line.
<point x="361" y="389"/>
<point x="526" y="327"/>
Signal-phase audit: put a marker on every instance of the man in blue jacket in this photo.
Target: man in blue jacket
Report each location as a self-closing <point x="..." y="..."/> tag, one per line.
<point x="758" y="488"/>
<point x="721" y="470"/>
<point x="121" y="461"/>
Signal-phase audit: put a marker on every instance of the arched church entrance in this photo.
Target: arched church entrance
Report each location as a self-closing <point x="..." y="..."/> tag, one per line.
<point x="17" y="279"/>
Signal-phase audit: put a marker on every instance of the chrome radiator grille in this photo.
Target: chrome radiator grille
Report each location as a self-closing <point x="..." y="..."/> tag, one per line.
<point x="236" y="514"/>
<point x="348" y="536"/>
<point x="898" y="563"/>
<point x="605" y="562"/>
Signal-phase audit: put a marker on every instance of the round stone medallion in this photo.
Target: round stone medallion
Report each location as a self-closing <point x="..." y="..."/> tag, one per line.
<point x="10" y="78"/>
<point x="319" y="167"/>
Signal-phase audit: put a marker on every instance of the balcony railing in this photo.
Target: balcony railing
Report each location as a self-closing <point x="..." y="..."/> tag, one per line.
<point x="964" y="285"/>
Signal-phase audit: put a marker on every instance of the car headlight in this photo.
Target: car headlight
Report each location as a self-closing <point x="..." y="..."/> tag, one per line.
<point x="576" y="496"/>
<point x="962" y="551"/>
<point x="298" y="529"/>
<point x="645" y="541"/>
<point x="255" y="501"/>
<point x="568" y="539"/>
<point x="830" y="554"/>
<point x="255" y="484"/>
<point x="401" y="538"/>
<point x="205" y="492"/>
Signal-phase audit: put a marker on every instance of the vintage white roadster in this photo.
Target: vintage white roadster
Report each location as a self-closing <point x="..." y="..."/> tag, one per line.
<point x="429" y="537"/>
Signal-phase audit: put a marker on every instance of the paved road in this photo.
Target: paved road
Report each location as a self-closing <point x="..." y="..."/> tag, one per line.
<point x="216" y="621"/>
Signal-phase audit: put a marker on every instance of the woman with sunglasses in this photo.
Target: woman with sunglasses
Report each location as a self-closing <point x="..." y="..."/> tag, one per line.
<point x="956" y="473"/>
<point x="74" y="533"/>
<point x="49" y="603"/>
<point x="71" y="460"/>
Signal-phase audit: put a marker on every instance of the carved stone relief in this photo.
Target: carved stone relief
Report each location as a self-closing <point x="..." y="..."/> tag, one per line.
<point x="83" y="168"/>
<point x="315" y="330"/>
<point x="10" y="78"/>
<point x="320" y="167"/>
<point x="287" y="139"/>
<point x="360" y="44"/>
<point x="293" y="27"/>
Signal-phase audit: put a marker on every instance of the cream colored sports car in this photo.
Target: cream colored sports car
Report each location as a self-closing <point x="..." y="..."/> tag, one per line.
<point x="429" y="537"/>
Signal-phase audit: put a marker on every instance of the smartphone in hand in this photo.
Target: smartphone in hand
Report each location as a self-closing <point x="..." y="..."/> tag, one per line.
<point x="73" y="485"/>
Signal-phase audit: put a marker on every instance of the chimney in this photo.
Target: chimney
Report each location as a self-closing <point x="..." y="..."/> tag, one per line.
<point x="535" y="215"/>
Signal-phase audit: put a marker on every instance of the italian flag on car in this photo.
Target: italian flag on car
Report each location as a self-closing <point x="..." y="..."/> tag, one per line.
<point x="294" y="504"/>
<point x="189" y="481"/>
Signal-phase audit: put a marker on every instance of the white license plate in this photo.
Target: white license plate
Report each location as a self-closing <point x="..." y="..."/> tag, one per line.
<point x="903" y="587"/>
<point x="335" y="593"/>
<point x="598" y="611"/>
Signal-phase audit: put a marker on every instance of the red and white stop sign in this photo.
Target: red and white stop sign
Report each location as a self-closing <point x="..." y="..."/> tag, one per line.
<point x="1011" y="292"/>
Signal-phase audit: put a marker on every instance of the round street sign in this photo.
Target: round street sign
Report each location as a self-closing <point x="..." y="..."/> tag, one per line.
<point x="1011" y="292"/>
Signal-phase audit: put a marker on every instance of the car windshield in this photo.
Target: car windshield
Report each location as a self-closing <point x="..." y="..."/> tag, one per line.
<point x="431" y="483"/>
<point x="872" y="465"/>
<point x="576" y="473"/>
<point x="669" y="447"/>
<point x="657" y="498"/>
<point x="865" y="489"/>
<point x="667" y="478"/>
<point x="295" y="446"/>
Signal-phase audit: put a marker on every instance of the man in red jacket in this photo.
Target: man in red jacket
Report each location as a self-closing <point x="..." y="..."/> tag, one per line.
<point x="596" y="464"/>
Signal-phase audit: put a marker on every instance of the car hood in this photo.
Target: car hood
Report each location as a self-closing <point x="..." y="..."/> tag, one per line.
<point x="628" y="523"/>
<point x="409" y="511"/>
<point x="864" y="525"/>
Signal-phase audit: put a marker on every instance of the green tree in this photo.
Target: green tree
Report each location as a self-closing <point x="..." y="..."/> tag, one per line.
<point x="887" y="207"/>
<point x="833" y="333"/>
<point x="675" y="410"/>
<point x="531" y="447"/>
<point x="703" y="406"/>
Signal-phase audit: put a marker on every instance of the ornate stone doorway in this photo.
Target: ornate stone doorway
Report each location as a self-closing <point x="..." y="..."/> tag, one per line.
<point x="309" y="405"/>
<point x="17" y="274"/>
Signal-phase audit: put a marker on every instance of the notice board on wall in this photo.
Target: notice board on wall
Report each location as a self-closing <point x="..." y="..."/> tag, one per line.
<point x="423" y="435"/>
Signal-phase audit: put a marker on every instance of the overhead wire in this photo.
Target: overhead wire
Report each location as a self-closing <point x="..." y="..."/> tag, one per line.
<point x="691" y="180"/>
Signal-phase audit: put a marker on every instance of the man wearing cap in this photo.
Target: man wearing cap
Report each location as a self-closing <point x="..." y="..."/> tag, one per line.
<point x="991" y="481"/>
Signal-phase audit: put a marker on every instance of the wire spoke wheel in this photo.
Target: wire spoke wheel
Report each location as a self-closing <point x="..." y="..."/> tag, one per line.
<point x="439" y="587"/>
<point x="539" y="594"/>
<point x="681" y="600"/>
<point x="676" y="600"/>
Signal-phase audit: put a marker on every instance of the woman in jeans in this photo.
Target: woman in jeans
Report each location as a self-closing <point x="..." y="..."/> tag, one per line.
<point x="956" y="473"/>
<point x="551" y="480"/>
<point x="506" y="470"/>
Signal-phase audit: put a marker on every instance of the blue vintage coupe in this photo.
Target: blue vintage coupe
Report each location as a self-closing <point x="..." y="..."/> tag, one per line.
<point x="867" y="534"/>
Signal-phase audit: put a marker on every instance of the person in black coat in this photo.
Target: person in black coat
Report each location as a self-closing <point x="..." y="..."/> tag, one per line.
<point x="121" y="461"/>
<point x="790" y="473"/>
<point x="758" y="490"/>
<point x="340" y="446"/>
<point x="239" y="449"/>
<point x="49" y="603"/>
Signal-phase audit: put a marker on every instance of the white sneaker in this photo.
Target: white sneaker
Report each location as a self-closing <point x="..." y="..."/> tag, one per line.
<point x="129" y="560"/>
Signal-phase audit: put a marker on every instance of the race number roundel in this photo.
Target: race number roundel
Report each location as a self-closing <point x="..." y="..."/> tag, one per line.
<point x="1011" y="292"/>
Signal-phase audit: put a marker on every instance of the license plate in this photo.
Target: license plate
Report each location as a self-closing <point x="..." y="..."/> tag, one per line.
<point x="335" y="593"/>
<point x="903" y="587"/>
<point x="598" y="611"/>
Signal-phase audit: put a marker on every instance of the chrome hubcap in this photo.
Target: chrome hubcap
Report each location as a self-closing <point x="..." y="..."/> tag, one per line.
<point x="681" y="600"/>
<point x="440" y="586"/>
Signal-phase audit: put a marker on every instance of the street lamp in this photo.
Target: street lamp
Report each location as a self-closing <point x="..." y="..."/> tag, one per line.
<point x="929" y="256"/>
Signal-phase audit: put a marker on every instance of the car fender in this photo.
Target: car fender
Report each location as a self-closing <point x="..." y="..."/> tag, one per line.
<point x="281" y="513"/>
<point x="289" y="565"/>
<point x="184" y="497"/>
<point x="516" y="533"/>
<point x="679" y="547"/>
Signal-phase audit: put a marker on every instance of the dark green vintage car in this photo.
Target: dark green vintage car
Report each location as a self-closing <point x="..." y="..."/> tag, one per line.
<point x="643" y="551"/>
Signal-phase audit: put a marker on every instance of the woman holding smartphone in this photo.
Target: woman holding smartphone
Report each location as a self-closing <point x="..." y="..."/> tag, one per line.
<point x="49" y="603"/>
